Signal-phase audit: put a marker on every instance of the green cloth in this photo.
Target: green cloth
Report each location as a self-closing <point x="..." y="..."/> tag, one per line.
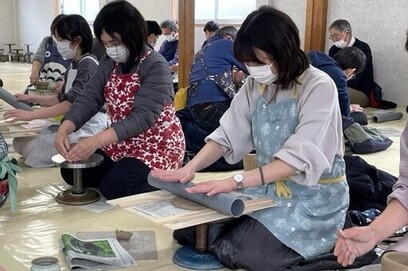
<point x="7" y="167"/>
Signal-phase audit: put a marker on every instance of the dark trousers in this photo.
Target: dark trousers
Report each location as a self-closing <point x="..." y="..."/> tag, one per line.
<point x="200" y="121"/>
<point x="246" y="243"/>
<point x="243" y="243"/>
<point x="126" y="177"/>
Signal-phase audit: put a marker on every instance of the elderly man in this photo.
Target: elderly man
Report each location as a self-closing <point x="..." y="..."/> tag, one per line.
<point x="169" y="47"/>
<point x="363" y="89"/>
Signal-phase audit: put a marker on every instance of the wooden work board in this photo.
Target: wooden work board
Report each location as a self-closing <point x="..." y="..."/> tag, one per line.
<point x="159" y="207"/>
<point x="14" y="129"/>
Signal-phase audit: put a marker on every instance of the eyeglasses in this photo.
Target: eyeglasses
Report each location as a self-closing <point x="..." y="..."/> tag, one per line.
<point x="337" y="36"/>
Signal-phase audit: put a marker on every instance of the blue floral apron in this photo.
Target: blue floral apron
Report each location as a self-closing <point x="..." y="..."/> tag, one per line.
<point x="308" y="221"/>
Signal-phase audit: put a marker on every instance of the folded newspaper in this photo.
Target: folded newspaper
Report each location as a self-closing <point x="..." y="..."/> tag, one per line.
<point x="95" y="254"/>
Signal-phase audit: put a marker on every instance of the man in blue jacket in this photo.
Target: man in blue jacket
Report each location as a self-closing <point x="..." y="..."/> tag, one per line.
<point x="207" y="98"/>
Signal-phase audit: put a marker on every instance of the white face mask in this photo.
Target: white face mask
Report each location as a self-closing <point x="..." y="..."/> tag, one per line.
<point x="64" y="49"/>
<point x="170" y="37"/>
<point x="340" y="43"/>
<point x="262" y="74"/>
<point x="118" y="53"/>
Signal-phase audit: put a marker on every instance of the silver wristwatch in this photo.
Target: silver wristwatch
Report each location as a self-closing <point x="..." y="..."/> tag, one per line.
<point x="239" y="178"/>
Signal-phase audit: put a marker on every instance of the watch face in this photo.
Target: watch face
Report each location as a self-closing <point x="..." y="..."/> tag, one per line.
<point x="238" y="178"/>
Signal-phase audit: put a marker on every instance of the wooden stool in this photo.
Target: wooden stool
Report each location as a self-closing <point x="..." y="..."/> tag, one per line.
<point x="78" y="195"/>
<point x="27" y="54"/>
<point x="10" y="53"/>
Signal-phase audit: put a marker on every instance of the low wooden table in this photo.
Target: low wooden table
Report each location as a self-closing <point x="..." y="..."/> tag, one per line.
<point x="164" y="208"/>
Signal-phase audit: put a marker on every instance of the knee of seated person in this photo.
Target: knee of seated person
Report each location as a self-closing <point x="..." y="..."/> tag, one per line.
<point x="17" y="145"/>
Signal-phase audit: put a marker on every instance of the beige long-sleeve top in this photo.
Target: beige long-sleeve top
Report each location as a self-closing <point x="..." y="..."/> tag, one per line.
<point x="400" y="189"/>
<point x="318" y="137"/>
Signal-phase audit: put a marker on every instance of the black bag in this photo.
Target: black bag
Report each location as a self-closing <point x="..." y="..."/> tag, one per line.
<point x="362" y="138"/>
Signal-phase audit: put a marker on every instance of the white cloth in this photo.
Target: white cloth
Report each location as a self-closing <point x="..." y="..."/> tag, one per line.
<point x="38" y="150"/>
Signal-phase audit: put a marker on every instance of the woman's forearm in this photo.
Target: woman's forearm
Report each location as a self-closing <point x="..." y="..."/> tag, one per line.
<point x="210" y="153"/>
<point x="393" y="218"/>
<point x="106" y="137"/>
<point x="53" y="111"/>
<point x="46" y="100"/>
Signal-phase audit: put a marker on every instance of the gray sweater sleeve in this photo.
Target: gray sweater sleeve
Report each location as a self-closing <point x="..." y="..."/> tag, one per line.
<point x="155" y="91"/>
<point x="40" y="53"/>
<point x="86" y="67"/>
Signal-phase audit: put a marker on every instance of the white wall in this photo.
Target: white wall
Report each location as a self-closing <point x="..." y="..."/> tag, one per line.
<point x="7" y="24"/>
<point x="34" y="20"/>
<point x="296" y="10"/>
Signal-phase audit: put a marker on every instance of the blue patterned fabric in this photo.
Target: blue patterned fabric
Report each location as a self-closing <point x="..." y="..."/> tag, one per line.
<point x="307" y="222"/>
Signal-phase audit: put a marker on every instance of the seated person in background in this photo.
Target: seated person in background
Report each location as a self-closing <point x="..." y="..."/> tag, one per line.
<point x="356" y="241"/>
<point x="134" y="82"/>
<point x="363" y="90"/>
<point x="209" y="30"/>
<point x="169" y="47"/>
<point x="207" y="100"/>
<point x="153" y="33"/>
<point x="289" y="112"/>
<point x="73" y="38"/>
<point x="346" y="64"/>
<point x="48" y="64"/>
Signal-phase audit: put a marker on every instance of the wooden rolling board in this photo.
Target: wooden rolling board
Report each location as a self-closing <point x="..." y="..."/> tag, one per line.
<point x="157" y="206"/>
<point x="16" y="129"/>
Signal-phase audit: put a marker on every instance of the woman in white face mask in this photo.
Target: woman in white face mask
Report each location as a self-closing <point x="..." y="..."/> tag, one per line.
<point x="73" y="39"/>
<point x="135" y="84"/>
<point x="288" y="112"/>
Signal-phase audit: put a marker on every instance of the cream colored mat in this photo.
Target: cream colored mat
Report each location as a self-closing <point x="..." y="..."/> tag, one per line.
<point x="34" y="230"/>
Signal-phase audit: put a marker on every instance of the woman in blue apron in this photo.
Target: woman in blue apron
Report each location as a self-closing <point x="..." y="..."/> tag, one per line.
<point x="74" y="41"/>
<point x="287" y="111"/>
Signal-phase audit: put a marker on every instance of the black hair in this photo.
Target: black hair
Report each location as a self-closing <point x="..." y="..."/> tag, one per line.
<point x="274" y="32"/>
<point x="211" y="26"/>
<point x="406" y="43"/>
<point x="153" y="27"/>
<point x="123" y="18"/>
<point x="72" y="26"/>
<point x="55" y="21"/>
<point x="351" y="58"/>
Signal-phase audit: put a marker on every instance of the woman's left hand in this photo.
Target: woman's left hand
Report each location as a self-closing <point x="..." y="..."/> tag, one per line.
<point x="211" y="188"/>
<point x="18" y="114"/>
<point x="82" y="150"/>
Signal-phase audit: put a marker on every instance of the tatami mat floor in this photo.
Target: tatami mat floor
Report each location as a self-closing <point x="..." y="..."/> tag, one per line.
<point x="34" y="230"/>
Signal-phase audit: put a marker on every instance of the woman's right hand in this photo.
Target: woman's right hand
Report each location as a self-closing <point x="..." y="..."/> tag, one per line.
<point x="34" y="77"/>
<point x="182" y="175"/>
<point x="62" y="143"/>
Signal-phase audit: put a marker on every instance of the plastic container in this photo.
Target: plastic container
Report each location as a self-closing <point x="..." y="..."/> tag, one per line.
<point x="45" y="264"/>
